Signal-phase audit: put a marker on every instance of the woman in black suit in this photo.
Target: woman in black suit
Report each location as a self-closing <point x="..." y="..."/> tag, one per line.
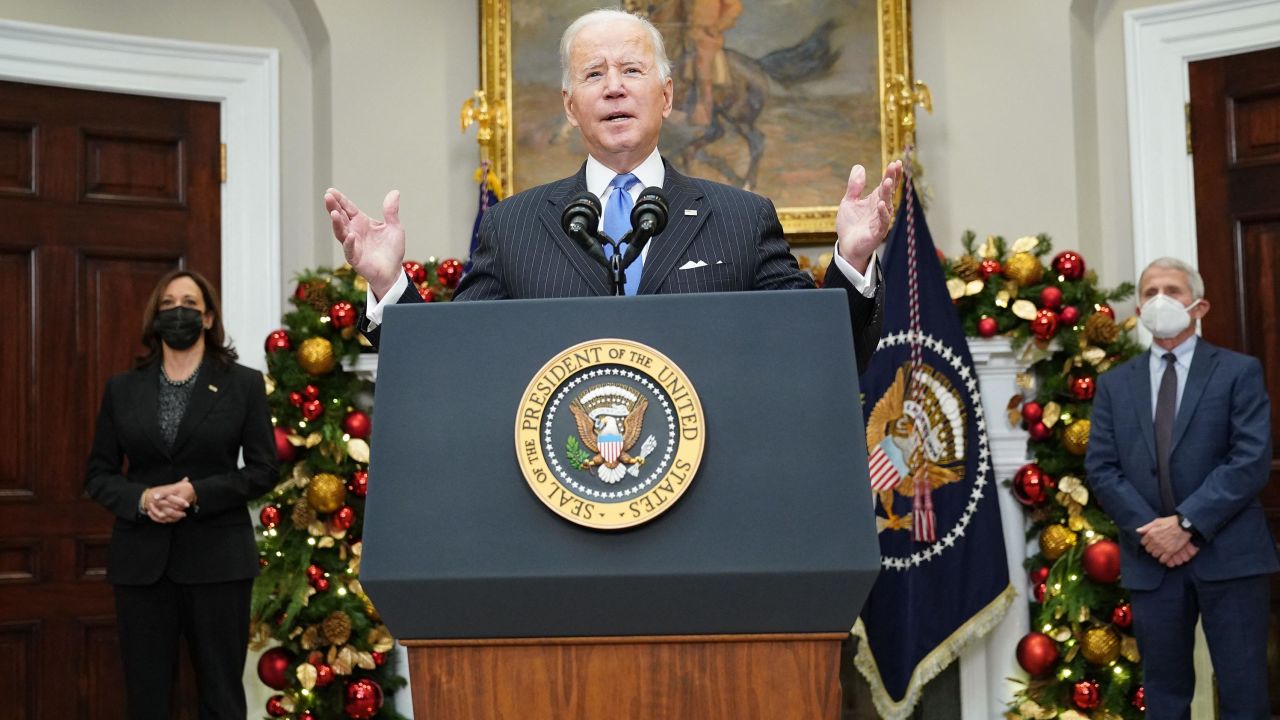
<point x="165" y="462"/>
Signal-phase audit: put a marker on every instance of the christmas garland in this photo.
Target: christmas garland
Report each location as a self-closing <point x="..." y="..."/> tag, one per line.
<point x="1082" y="659"/>
<point x="329" y="658"/>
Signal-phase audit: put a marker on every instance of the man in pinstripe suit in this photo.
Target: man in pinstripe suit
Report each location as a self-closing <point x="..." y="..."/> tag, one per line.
<point x="617" y="90"/>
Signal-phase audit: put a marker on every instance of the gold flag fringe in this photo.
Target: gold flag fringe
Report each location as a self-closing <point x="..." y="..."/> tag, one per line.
<point x="935" y="662"/>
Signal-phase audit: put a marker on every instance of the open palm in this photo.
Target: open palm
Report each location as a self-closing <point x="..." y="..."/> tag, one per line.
<point x="375" y="248"/>
<point x="863" y="222"/>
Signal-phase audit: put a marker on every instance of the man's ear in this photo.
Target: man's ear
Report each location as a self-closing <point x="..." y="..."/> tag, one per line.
<point x="569" y="114"/>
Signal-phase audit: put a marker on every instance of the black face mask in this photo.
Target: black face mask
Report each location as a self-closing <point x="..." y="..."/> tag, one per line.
<point x="179" y="327"/>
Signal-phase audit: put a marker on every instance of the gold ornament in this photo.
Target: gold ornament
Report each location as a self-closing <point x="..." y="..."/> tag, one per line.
<point x="1100" y="329"/>
<point x="315" y="355"/>
<point x="1023" y="268"/>
<point x="1056" y="540"/>
<point x="1025" y="309"/>
<point x="303" y="515"/>
<point x="1076" y="437"/>
<point x="955" y="288"/>
<point x="966" y="268"/>
<point x="337" y="628"/>
<point x="326" y="492"/>
<point x="311" y="638"/>
<point x="1100" y="645"/>
<point x="990" y="248"/>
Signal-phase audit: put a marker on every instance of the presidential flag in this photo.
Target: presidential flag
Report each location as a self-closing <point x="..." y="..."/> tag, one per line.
<point x="943" y="578"/>
<point x="490" y="191"/>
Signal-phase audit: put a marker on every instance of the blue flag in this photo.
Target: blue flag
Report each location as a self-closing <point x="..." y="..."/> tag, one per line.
<point x="943" y="578"/>
<point x="490" y="192"/>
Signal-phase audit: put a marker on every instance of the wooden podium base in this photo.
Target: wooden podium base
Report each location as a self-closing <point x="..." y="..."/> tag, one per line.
<point x="704" y="677"/>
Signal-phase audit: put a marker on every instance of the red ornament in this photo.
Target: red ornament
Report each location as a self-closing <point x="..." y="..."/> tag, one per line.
<point x="426" y="293"/>
<point x="312" y="409"/>
<point x="379" y="658"/>
<point x="1140" y="699"/>
<point x="449" y="272"/>
<point x="359" y="485"/>
<point x="278" y="340"/>
<point x="356" y="424"/>
<point x="1122" y="616"/>
<point x="1051" y="297"/>
<point x="295" y="398"/>
<point x="1037" y="653"/>
<point x="270" y="517"/>
<point x="273" y="668"/>
<point x="1040" y="432"/>
<point x="306" y="715"/>
<point x="989" y="267"/>
<point x="342" y="314"/>
<point x="1069" y="264"/>
<point x="274" y="708"/>
<point x="1101" y="561"/>
<point x="362" y="699"/>
<point x="1082" y="388"/>
<point x="987" y="326"/>
<point x="416" y="272"/>
<point x="1105" y="310"/>
<point x="324" y="675"/>
<point x="311" y="392"/>
<point x="1040" y="574"/>
<point x="1069" y="315"/>
<point x="300" y="292"/>
<point x="1032" y="485"/>
<point x="1045" y="324"/>
<point x="1032" y="412"/>
<point x="320" y="584"/>
<point x="1038" y="592"/>
<point x="285" y="451"/>
<point x="314" y="571"/>
<point x="345" y="517"/>
<point x="1086" y="694"/>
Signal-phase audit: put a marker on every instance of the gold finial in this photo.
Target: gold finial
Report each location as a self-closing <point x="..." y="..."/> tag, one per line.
<point x="901" y="98"/>
<point x="486" y="117"/>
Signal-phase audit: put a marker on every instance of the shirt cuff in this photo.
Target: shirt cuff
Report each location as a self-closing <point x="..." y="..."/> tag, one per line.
<point x="373" y="307"/>
<point x="864" y="284"/>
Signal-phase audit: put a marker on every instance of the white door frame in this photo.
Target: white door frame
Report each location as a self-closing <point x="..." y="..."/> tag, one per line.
<point x="244" y="81"/>
<point x="1159" y="43"/>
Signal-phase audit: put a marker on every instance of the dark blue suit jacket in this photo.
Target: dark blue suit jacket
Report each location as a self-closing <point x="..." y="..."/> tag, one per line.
<point x="524" y="253"/>
<point x="1221" y="461"/>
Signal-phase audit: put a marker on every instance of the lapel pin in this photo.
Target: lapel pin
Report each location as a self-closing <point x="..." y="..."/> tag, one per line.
<point x="214" y="388"/>
<point x="691" y="212"/>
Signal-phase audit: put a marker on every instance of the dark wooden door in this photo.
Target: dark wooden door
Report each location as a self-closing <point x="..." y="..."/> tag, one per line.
<point x="100" y="194"/>
<point x="1235" y="122"/>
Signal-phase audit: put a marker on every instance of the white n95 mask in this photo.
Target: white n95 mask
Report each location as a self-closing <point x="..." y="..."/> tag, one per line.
<point x="1166" y="317"/>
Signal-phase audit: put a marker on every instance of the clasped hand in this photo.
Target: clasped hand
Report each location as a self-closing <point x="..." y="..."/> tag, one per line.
<point x="1167" y="542"/>
<point x="169" y="503"/>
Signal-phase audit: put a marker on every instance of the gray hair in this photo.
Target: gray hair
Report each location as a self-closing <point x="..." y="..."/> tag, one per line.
<point x="1170" y="263"/>
<point x="608" y="15"/>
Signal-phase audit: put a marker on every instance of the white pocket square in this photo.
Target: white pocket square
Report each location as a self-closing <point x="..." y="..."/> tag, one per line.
<point x="693" y="264"/>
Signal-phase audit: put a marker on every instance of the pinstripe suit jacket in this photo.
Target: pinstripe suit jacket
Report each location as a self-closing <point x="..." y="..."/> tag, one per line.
<point x="524" y="253"/>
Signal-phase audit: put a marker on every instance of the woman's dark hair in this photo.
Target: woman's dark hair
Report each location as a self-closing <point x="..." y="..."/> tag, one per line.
<point x="215" y="338"/>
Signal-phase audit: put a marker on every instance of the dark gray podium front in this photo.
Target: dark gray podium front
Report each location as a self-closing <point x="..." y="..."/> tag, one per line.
<point x="746" y="584"/>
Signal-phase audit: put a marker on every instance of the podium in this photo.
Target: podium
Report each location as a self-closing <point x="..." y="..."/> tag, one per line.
<point x="730" y="603"/>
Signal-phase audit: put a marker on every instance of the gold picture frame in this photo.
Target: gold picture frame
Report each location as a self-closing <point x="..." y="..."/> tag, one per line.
<point x="804" y="223"/>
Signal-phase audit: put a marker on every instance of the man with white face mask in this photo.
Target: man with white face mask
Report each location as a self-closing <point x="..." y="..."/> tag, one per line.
<point x="1179" y="449"/>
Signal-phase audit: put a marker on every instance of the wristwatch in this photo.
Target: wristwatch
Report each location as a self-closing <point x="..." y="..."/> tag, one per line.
<point x="1184" y="522"/>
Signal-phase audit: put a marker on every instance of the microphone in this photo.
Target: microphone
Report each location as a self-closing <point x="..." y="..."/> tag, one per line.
<point x="579" y="220"/>
<point x="648" y="218"/>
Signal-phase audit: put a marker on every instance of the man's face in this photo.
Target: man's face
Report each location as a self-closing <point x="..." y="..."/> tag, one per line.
<point x="615" y="97"/>
<point x="1171" y="282"/>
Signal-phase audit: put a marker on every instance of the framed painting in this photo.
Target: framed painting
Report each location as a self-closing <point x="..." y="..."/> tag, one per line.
<point x="779" y="97"/>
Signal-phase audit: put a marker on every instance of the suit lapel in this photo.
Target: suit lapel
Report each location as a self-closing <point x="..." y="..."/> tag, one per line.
<point x="147" y="399"/>
<point x="209" y="387"/>
<point x="669" y="246"/>
<point x="1203" y="360"/>
<point x="557" y="198"/>
<point x="1141" y="384"/>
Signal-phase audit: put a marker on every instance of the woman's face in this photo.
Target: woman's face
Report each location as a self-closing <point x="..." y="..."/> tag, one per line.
<point x="183" y="292"/>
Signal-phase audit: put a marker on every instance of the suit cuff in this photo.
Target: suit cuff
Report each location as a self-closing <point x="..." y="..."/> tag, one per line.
<point x="864" y="284"/>
<point x="374" y="306"/>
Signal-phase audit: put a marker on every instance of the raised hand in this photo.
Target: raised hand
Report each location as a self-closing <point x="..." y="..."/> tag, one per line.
<point x="863" y="222"/>
<point x="375" y="248"/>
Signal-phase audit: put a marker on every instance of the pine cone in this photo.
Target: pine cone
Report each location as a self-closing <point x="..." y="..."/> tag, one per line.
<point x="1101" y="329"/>
<point x="337" y="628"/>
<point x="303" y="514"/>
<point x="966" y="268"/>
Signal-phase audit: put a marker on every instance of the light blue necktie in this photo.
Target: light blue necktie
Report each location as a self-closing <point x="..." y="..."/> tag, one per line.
<point x="617" y="222"/>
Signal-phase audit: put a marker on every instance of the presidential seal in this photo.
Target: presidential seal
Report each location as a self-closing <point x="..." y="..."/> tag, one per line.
<point x="609" y="434"/>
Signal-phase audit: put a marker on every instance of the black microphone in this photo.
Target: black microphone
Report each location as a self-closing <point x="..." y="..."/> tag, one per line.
<point x="648" y="218"/>
<point x="579" y="220"/>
